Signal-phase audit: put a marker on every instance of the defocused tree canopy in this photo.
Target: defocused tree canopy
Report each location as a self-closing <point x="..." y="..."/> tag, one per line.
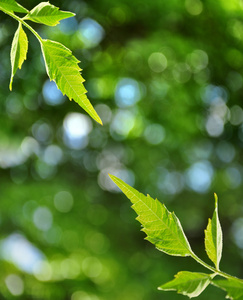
<point x="166" y="80"/>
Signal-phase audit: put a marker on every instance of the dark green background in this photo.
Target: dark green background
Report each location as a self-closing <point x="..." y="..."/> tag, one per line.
<point x="180" y="142"/>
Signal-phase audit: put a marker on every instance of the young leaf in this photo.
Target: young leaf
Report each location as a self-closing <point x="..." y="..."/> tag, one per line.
<point x="11" y="5"/>
<point x="62" y="67"/>
<point x="233" y="287"/>
<point x="48" y="14"/>
<point x="190" y="284"/>
<point x="161" y="226"/>
<point x="18" y="52"/>
<point x="213" y="237"/>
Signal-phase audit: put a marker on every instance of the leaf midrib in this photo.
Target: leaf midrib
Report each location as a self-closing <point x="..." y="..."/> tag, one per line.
<point x="40" y="16"/>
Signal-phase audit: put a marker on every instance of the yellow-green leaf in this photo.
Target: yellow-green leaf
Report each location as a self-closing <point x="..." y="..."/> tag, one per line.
<point x="48" y="14"/>
<point x="190" y="284"/>
<point x="213" y="237"/>
<point x="62" y="67"/>
<point x="18" y="52"/>
<point x="233" y="287"/>
<point x="11" y="5"/>
<point x="162" y="227"/>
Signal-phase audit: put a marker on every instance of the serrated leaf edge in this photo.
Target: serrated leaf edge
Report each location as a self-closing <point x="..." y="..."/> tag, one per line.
<point x="89" y="109"/>
<point x="185" y="293"/>
<point x="170" y="214"/>
<point x="34" y="18"/>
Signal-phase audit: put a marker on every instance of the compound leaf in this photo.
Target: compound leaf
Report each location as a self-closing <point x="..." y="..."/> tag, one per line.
<point x="213" y="237"/>
<point x="190" y="284"/>
<point x="48" y="14"/>
<point x="233" y="287"/>
<point x="162" y="227"/>
<point x="62" y="67"/>
<point x="11" y="5"/>
<point x="18" y="52"/>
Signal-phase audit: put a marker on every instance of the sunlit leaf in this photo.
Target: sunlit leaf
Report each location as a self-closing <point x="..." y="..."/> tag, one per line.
<point x="11" y="5"/>
<point x="213" y="237"/>
<point x="48" y="14"/>
<point x="233" y="287"/>
<point x="162" y="227"/>
<point x="187" y="283"/>
<point x="18" y="52"/>
<point x="62" y="67"/>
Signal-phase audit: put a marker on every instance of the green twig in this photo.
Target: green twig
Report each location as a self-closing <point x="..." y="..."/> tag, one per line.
<point x="218" y="272"/>
<point x="21" y="20"/>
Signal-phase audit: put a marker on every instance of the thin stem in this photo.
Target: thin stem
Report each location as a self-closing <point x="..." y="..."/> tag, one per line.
<point x="24" y="23"/>
<point x="218" y="272"/>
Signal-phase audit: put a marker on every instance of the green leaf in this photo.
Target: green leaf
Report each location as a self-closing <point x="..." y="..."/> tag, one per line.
<point x="233" y="287"/>
<point x="48" y="14"/>
<point x="190" y="284"/>
<point x="62" y="67"/>
<point x="18" y="52"/>
<point x="213" y="237"/>
<point x="161" y="226"/>
<point x="11" y="5"/>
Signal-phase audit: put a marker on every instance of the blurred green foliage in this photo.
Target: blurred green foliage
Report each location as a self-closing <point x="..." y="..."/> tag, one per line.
<point x="166" y="79"/>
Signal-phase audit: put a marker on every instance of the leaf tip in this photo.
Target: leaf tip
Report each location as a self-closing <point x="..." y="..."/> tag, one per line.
<point x="112" y="177"/>
<point x="96" y="118"/>
<point x="216" y="200"/>
<point x="99" y="121"/>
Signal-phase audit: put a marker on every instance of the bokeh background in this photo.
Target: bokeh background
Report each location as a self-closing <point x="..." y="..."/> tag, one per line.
<point x="166" y="79"/>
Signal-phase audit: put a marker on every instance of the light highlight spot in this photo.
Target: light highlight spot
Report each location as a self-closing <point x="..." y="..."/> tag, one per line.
<point x="18" y="250"/>
<point x="194" y="7"/>
<point x="157" y="62"/>
<point x="63" y="201"/>
<point x="122" y="123"/>
<point x="52" y="95"/>
<point x="127" y="92"/>
<point x="42" y="218"/>
<point x="91" y="32"/>
<point x="154" y="134"/>
<point x="14" y="284"/>
<point x="199" y="176"/>
<point x="76" y="129"/>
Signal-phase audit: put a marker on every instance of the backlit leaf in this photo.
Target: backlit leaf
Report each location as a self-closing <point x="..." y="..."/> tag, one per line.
<point x="187" y="283"/>
<point x="18" y="52"/>
<point x="11" y="5"/>
<point x="48" y="14"/>
<point x="233" y="287"/>
<point x="213" y="237"/>
<point x="162" y="227"/>
<point x="62" y="67"/>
